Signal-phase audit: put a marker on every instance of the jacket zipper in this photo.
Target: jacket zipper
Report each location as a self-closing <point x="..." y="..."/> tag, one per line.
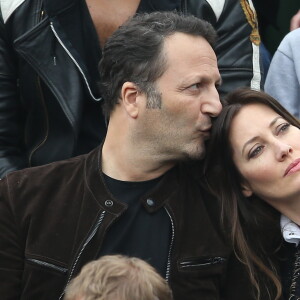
<point x="89" y="238"/>
<point x="202" y="262"/>
<point x="39" y="8"/>
<point x="75" y="62"/>
<point x="48" y="265"/>
<point x="46" y="122"/>
<point x="171" y="248"/>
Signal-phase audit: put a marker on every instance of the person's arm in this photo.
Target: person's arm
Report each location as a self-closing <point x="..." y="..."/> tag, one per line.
<point x="12" y="154"/>
<point x="281" y="82"/>
<point x="283" y="77"/>
<point x="11" y="254"/>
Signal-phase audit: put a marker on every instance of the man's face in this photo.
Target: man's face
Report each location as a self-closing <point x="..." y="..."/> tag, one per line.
<point x="189" y="99"/>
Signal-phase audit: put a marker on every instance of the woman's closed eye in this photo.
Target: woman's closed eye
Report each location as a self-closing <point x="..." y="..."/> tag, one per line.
<point x="282" y="128"/>
<point x="255" y="151"/>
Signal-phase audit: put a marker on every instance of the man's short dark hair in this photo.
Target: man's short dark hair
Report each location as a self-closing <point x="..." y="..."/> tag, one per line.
<point x="134" y="53"/>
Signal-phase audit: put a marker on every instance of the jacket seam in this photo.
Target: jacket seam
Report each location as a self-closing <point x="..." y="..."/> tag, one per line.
<point x="47" y="265"/>
<point x="31" y="31"/>
<point x="38" y="9"/>
<point x="44" y="139"/>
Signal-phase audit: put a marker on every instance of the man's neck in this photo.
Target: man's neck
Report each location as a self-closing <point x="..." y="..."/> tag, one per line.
<point x="131" y="162"/>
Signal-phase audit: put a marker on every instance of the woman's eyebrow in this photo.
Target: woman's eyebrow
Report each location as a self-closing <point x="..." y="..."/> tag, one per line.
<point x="256" y="137"/>
<point x="275" y="120"/>
<point x="249" y="142"/>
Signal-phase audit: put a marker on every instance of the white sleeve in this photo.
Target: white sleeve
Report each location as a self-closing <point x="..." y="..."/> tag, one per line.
<point x="8" y="7"/>
<point x="217" y="6"/>
<point x="282" y="81"/>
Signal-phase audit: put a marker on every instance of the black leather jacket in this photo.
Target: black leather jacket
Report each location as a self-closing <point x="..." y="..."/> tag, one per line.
<point x="49" y="101"/>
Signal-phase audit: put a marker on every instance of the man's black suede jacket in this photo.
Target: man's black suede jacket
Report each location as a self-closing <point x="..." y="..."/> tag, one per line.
<point x="53" y="220"/>
<point x="48" y="72"/>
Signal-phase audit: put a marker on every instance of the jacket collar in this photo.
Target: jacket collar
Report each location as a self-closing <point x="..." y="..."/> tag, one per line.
<point x="290" y="230"/>
<point x="152" y="200"/>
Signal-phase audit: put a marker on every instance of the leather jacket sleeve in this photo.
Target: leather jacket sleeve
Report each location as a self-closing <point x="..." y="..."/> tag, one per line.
<point x="11" y="252"/>
<point x="12" y="156"/>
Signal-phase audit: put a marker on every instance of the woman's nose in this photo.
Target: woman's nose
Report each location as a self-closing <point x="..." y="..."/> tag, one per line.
<point x="283" y="151"/>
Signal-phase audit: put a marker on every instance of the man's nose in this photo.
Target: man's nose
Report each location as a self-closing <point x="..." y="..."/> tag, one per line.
<point x="212" y="105"/>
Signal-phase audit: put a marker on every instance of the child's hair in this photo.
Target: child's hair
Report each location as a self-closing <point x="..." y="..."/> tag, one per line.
<point x="117" y="277"/>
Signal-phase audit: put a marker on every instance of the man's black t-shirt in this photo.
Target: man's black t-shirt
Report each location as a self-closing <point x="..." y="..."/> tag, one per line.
<point x="137" y="232"/>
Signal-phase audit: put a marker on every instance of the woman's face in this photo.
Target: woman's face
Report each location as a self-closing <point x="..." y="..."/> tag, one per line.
<point x="266" y="151"/>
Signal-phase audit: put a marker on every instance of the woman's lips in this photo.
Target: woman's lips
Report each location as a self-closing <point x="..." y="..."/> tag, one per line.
<point x="293" y="167"/>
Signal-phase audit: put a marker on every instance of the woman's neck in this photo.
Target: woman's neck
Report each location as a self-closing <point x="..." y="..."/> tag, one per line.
<point x="290" y="209"/>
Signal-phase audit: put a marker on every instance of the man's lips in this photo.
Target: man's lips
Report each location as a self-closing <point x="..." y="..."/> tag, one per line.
<point x="206" y="129"/>
<point x="205" y="133"/>
<point x="293" y="167"/>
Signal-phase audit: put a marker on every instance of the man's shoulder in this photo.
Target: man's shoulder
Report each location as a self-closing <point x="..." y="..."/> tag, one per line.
<point x="55" y="185"/>
<point x="291" y="42"/>
<point x="45" y="176"/>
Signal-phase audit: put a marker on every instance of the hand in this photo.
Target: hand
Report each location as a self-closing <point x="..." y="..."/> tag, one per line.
<point x="295" y="21"/>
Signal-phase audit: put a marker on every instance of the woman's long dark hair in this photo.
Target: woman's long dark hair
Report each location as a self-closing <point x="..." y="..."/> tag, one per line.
<point x="253" y="225"/>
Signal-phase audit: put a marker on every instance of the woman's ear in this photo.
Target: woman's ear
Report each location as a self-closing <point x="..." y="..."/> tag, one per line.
<point x="246" y="190"/>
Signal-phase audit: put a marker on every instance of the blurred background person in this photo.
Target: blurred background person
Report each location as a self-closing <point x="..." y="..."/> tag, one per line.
<point x="283" y="79"/>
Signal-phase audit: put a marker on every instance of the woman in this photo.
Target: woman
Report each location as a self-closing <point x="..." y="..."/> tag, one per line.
<point x="253" y="167"/>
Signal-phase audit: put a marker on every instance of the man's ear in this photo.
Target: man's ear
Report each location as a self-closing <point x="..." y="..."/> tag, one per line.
<point x="246" y="190"/>
<point x="129" y="97"/>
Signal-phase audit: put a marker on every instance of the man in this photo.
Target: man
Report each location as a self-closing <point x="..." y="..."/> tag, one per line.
<point x="50" y="106"/>
<point x="117" y="277"/>
<point x="137" y="194"/>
